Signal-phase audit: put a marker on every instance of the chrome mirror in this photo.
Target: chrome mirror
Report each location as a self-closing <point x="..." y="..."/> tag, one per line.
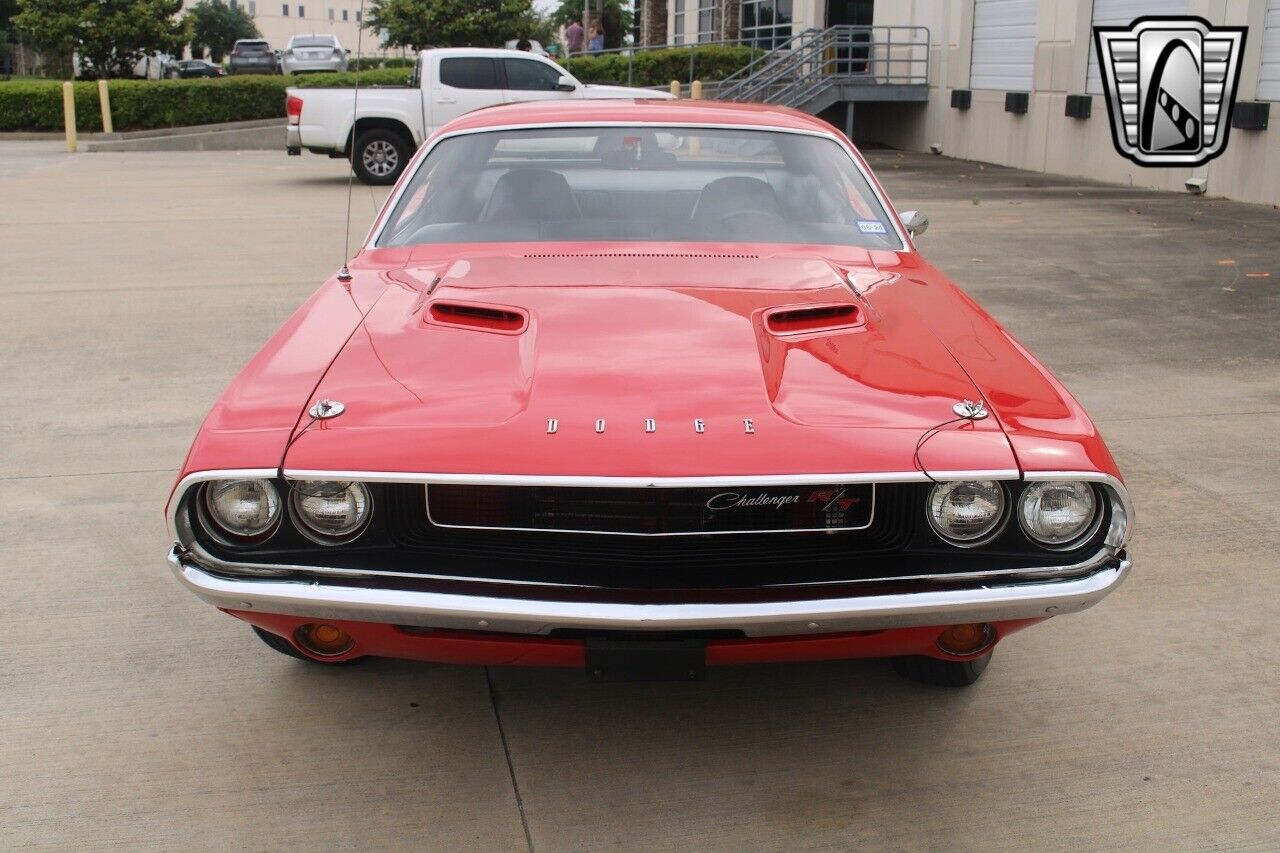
<point x="915" y="222"/>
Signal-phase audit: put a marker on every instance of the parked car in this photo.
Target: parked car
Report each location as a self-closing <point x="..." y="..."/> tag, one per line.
<point x="314" y="53"/>
<point x="189" y="68"/>
<point x="689" y="398"/>
<point x="253" y="56"/>
<point x="446" y="83"/>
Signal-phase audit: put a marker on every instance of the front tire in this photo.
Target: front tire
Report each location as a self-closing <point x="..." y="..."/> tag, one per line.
<point x="379" y="157"/>
<point x="942" y="673"/>
<point x="284" y="647"/>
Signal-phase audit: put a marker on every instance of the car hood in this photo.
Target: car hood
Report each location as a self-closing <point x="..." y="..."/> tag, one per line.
<point x="642" y="365"/>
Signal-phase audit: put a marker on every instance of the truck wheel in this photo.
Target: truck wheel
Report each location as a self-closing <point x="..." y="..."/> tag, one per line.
<point x="379" y="157"/>
<point x="284" y="647"/>
<point x="942" y="673"/>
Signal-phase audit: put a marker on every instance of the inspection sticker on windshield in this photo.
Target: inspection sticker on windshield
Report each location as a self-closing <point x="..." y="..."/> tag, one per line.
<point x="871" y="227"/>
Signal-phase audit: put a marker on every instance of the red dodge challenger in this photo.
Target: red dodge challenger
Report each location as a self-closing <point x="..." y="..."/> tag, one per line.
<point x="643" y="388"/>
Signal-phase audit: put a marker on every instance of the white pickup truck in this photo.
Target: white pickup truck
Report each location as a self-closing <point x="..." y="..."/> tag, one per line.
<point x="447" y="82"/>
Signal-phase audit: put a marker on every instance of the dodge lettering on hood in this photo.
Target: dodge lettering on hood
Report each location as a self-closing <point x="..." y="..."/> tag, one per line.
<point x="644" y="387"/>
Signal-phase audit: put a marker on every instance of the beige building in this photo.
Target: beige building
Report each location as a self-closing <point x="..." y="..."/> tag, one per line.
<point x="278" y="20"/>
<point x="989" y="48"/>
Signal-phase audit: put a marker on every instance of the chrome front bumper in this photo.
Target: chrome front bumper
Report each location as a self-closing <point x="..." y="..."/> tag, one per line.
<point x="939" y="606"/>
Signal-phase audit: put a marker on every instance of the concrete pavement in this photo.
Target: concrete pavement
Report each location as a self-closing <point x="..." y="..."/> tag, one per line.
<point x="134" y="716"/>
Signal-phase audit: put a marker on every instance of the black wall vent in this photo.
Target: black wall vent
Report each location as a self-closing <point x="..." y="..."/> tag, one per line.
<point x="961" y="99"/>
<point x="1079" y="106"/>
<point x="1016" y="102"/>
<point x="1250" y="115"/>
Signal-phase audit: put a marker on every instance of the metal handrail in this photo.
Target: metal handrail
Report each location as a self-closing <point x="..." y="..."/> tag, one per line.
<point x="780" y="53"/>
<point x="813" y="60"/>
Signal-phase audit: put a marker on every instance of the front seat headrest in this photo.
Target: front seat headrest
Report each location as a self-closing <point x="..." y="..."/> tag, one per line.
<point x="530" y="195"/>
<point x="735" y="194"/>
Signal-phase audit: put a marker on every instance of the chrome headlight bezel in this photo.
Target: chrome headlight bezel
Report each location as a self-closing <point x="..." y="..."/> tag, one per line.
<point x="301" y="490"/>
<point x="225" y="534"/>
<point x="997" y="525"/>
<point x="1033" y="490"/>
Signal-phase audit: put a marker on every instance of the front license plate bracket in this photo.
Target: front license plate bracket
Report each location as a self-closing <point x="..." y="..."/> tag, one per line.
<point x="614" y="659"/>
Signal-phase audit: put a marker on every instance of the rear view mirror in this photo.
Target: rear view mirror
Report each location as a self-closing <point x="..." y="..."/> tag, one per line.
<point x="915" y="222"/>
<point x="566" y="83"/>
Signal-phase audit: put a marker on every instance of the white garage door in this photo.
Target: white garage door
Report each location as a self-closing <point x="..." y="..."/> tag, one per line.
<point x="1269" y="74"/>
<point x="1120" y="13"/>
<point x="1004" y="45"/>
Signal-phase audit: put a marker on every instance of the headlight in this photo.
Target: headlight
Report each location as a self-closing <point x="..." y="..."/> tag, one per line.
<point x="242" y="510"/>
<point x="329" y="511"/>
<point x="966" y="513"/>
<point x="1058" y="512"/>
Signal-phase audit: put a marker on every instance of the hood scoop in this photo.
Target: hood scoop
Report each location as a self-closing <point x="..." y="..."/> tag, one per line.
<point x="473" y="315"/>
<point x="813" y="318"/>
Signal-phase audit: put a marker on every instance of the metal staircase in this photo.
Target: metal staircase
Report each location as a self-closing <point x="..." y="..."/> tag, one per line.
<point x="816" y="69"/>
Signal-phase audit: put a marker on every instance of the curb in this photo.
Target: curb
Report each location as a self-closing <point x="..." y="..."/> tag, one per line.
<point x="266" y="135"/>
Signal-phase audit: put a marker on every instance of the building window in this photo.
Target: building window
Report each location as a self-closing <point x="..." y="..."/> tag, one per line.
<point x="302" y="11"/>
<point x="677" y="21"/>
<point x="253" y="8"/>
<point x="284" y="10"/>
<point x="765" y="23"/>
<point x="235" y="4"/>
<point x="707" y="19"/>
<point x="331" y="16"/>
<point x="344" y="14"/>
<point x="359" y="17"/>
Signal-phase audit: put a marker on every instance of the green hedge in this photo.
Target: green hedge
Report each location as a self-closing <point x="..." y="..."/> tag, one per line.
<point x="370" y="62"/>
<point x="660" y="67"/>
<point x="36" y="105"/>
<point x="376" y="77"/>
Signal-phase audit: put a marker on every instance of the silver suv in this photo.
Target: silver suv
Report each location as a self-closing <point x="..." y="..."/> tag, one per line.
<point x="314" y="53"/>
<point x="252" y="56"/>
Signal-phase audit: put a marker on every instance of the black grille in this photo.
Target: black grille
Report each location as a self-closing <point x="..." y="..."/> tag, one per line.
<point x="641" y="511"/>
<point x="897" y="543"/>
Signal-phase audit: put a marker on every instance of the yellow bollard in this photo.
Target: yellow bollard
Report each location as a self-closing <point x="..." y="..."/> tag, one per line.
<point x="104" y="98"/>
<point x="695" y="90"/>
<point x="675" y="88"/>
<point x="69" y="115"/>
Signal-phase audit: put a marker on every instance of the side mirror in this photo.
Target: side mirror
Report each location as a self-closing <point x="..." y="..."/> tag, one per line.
<point x="915" y="222"/>
<point x="566" y="84"/>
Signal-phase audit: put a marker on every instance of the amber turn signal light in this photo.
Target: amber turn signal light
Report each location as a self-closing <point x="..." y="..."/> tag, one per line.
<point x="966" y="639"/>
<point x="326" y="640"/>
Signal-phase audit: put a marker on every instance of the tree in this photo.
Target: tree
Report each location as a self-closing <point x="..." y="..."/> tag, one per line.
<point x="452" y="23"/>
<point x="109" y="35"/>
<point x="619" y="17"/>
<point x="8" y="8"/>
<point x="217" y="26"/>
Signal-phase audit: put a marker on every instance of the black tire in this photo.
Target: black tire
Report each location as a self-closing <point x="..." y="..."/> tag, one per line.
<point x="942" y="673"/>
<point x="284" y="647"/>
<point x="379" y="157"/>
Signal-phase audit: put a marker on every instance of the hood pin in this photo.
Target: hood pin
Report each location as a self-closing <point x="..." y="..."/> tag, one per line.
<point x="971" y="410"/>
<point x="323" y="410"/>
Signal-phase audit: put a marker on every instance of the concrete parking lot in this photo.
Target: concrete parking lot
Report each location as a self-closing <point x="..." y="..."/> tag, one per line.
<point x="134" y="287"/>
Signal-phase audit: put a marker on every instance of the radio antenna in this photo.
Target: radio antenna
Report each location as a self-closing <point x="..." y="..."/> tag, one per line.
<point x="344" y="274"/>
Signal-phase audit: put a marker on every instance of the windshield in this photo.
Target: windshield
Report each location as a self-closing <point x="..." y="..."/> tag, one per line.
<point x="643" y="183"/>
<point x="313" y="41"/>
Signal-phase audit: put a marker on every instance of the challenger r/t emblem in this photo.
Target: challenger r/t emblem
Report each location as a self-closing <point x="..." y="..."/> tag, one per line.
<point x="1171" y="85"/>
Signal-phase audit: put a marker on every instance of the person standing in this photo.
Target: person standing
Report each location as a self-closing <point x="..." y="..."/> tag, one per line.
<point x="596" y="43"/>
<point x="573" y="37"/>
